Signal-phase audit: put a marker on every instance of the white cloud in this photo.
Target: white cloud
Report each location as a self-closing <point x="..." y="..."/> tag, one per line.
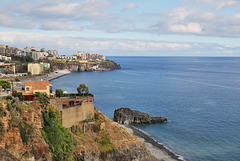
<point x="225" y="3"/>
<point x="63" y="15"/>
<point x="191" y="27"/>
<point x="192" y="18"/>
<point x="70" y="44"/>
<point x="130" y="6"/>
<point x="200" y="17"/>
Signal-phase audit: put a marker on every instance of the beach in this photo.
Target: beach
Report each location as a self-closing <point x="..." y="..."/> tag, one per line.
<point x="157" y="151"/>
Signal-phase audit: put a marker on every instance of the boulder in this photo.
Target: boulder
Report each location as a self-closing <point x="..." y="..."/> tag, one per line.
<point x="128" y="116"/>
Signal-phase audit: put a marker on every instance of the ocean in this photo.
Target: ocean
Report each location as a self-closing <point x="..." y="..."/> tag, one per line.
<point x="200" y="96"/>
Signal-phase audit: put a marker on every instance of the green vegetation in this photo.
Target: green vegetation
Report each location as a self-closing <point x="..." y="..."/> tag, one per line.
<point x="76" y="95"/>
<point x="82" y="89"/>
<point x="22" y="59"/>
<point x="1" y="126"/>
<point x="19" y="95"/>
<point x="59" y="93"/>
<point x="43" y="99"/>
<point x="25" y="132"/>
<point x="5" y="84"/>
<point x="105" y="146"/>
<point x="59" y="139"/>
<point x="10" y="103"/>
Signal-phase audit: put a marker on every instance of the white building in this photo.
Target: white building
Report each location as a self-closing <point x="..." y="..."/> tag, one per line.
<point x="53" y="52"/>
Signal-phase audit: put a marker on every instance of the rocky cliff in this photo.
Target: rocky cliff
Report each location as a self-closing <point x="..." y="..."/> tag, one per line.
<point x="20" y="134"/>
<point x="102" y="139"/>
<point x="76" y="66"/>
<point x="128" y="116"/>
<point x="23" y="136"/>
<point x="6" y="156"/>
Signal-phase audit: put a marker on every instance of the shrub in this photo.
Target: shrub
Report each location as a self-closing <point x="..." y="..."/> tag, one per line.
<point x="59" y="139"/>
<point x="19" y="95"/>
<point x="5" y="84"/>
<point x="25" y="132"/>
<point x="1" y="126"/>
<point x="105" y="146"/>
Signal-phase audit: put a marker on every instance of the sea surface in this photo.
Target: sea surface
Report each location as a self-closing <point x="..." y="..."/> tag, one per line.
<point x="200" y="96"/>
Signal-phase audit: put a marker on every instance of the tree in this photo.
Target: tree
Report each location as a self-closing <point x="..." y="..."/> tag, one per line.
<point x="82" y="89"/>
<point x="43" y="99"/>
<point x="59" y="93"/>
<point x="5" y="84"/>
<point x="50" y="55"/>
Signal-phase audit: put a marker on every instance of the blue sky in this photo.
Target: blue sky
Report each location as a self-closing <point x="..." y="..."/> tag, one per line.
<point x="124" y="28"/>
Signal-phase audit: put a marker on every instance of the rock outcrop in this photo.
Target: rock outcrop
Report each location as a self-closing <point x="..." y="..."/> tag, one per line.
<point x="75" y="66"/>
<point x="103" y="139"/>
<point x="128" y="116"/>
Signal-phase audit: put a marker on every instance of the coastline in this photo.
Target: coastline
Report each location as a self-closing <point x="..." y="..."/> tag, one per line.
<point x="49" y="77"/>
<point x="157" y="151"/>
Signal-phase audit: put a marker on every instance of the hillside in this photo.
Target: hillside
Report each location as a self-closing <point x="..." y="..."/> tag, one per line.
<point x="29" y="133"/>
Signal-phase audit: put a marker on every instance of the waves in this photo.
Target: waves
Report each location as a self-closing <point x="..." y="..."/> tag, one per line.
<point x="207" y="84"/>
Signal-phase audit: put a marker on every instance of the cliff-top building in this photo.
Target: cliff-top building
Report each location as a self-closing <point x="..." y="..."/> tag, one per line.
<point x="31" y="87"/>
<point x="72" y="110"/>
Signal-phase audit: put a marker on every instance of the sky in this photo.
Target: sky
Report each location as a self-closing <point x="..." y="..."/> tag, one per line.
<point x="123" y="27"/>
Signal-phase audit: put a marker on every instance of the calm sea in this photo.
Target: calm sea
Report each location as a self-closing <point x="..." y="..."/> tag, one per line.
<point x="199" y="96"/>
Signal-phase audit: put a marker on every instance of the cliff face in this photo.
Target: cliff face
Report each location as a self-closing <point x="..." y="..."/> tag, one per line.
<point x="95" y="139"/>
<point x="6" y="156"/>
<point x="25" y="142"/>
<point x="85" y="66"/>
<point x="103" y="139"/>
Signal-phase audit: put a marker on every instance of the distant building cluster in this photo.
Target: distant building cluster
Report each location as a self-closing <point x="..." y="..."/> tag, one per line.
<point x="90" y="57"/>
<point x="6" y="51"/>
<point x="35" y="54"/>
<point x="8" y="69"/>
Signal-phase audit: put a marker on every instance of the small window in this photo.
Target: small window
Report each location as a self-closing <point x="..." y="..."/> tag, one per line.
<point x="27" y="88"/>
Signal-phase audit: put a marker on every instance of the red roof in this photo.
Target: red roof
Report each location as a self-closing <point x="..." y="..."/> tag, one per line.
<point x="36" y="85"/>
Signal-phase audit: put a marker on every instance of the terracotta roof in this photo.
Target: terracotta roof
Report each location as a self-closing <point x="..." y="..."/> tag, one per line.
<point x="36" y="85"/>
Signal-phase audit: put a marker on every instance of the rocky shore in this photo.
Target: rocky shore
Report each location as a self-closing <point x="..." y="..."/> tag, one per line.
<point x="156" y="150"/>
<point x="126" y="116"/>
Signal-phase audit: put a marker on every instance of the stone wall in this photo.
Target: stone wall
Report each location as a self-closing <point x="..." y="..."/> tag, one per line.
<point x="73" y="115"/>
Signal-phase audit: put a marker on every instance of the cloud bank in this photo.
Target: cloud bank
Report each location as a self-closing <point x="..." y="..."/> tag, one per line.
<point x="70" y="44"/>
